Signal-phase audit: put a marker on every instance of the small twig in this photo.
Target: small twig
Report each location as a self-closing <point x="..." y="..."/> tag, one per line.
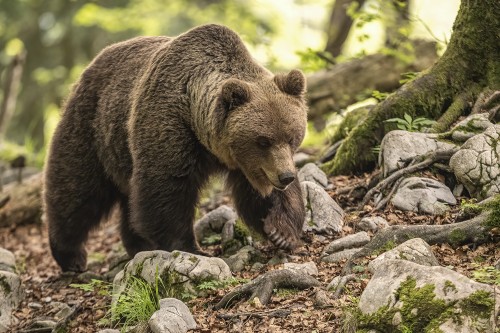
<point x="339" y="288"/>
<point x="384" y="201"/>
<point x="433" y="157"/>
<point x="277" y="313"/>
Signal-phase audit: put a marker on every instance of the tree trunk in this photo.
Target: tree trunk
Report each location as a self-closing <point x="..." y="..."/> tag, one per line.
<point x="339" y="26"/>
<point x="471" y="63"/>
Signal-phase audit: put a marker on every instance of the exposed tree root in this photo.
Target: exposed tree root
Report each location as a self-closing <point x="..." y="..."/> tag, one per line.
<point x="262" y="287"/>
<point x="470" y="231"/>
<point x="432" y="158"/>
<point x="276" y="313"/>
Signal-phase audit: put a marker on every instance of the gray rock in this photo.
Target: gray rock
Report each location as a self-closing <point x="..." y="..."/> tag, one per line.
<point x="471" y="126"/>
<point x="11" y="295"/>
<point x="183" y="269"/>
<point x="477" y="165"/>
<point x="323" y="214"/>
<point x="44" y="323"/>
<point x="240" y="259"/>
<point x="415" y="250"/>
<point x="7" y="261"/>
<point x="457" y="292"/>
<point x="398" y="146"/>
<point x="423" y="195"/>
<point x="301" y="159"/>
<point x="173" y="317"/>
<point x="309" y="268"/>
<point x="312" y="173"/>
<point x="214" y="221"/>
<point x="372" y="223"/>
<point x="348" y="242"/>
<point x="339" y="256"/>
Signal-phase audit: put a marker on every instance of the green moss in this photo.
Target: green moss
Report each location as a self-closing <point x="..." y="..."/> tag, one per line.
<point x="479" y="305"/>
<point x="5" y="285"/>
<point x="449" y="287"/>
<point x="350" y="121"/>
<point x="384" y="248"/>
<point x="420" y="310"/>
<point x="176" y="254"/>
<point x="493" y="220"/>
<point x="457" y="237"/>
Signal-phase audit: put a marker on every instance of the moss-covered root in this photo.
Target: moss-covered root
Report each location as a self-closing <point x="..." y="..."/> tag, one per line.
<point x="474" y="230"/>
<point x="460" y="105"/>
<point x="471" y="60"/>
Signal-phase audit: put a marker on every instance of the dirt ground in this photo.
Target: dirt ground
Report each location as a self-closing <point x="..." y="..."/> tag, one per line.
<point x="45" y="286"/>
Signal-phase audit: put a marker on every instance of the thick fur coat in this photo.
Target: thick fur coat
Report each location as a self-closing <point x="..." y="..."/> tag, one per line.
<point x="150" y="120"/>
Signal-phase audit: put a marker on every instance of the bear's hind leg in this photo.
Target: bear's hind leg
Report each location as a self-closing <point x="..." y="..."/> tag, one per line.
<point x="132" y="242"/>
<point x="77" y="192"/>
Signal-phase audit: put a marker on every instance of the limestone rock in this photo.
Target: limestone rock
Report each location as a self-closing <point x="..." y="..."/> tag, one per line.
<point x="471" y="126"/>
<point x="180" y="269"/>
<point x="323" y="214"/>
<point x="415" y="250"/>
<point x="240" y="259"/>
<point x="7" y="261"/>
<point x="419" y="294"/>
<point x="173" y="317"/>
<point x="348" y="242"/>
<point x="214" y="221"/>
<point x="309" y="268"/>
<point x="398" y="146"/>
<point x="423" y="195"/>
<point x="11" y="290"/>
<point x="372" y="223"/>
<point x="301" y="159"/>
<point x="477" y="165"/>
<point x="312" y="173"/>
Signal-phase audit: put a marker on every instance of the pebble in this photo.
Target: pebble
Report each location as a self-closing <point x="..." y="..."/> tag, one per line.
<point x="35" y="305"/>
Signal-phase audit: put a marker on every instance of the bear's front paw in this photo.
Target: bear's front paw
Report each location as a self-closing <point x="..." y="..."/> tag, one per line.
<point x="281" y="236"/>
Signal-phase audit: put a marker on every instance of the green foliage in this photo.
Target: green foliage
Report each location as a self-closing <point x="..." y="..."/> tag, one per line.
<point x="314" y="60"/>
<point x="211" y="240"/>
<point x="409" y="124"/>
<point x="487" y="274"/>
<point x="379" y="96"/>
<point x="408" y="76"/>
<point x="135" y="305"/>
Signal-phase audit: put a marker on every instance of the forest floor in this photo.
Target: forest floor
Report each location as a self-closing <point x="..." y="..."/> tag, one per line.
<point x="45" y="287"/>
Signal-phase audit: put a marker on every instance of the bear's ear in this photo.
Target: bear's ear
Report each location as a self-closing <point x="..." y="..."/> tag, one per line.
<point x="293" y="83"/>
<point x="234" y="93"/>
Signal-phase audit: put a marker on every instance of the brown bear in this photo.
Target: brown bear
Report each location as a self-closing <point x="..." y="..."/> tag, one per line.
<point x="147" y="123"/>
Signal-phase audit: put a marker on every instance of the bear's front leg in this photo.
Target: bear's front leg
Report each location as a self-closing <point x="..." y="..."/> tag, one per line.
<point x="280" y="216"/>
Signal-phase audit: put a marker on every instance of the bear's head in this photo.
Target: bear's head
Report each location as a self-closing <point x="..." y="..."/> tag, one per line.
<point x="264" y="123"/>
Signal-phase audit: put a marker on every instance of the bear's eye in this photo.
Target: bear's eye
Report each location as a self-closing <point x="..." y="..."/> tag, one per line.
<point x="263" y="142"/>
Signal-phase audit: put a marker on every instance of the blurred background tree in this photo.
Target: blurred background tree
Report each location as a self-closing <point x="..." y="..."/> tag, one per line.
<point x="58" y="38"/>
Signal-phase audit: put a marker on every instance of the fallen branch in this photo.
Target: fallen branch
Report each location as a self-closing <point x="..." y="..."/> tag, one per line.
<point x="469" y="231"/>
<point x="262" y="287"/>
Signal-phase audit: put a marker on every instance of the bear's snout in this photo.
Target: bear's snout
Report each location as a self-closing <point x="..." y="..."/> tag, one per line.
<point x="286" y="178"/>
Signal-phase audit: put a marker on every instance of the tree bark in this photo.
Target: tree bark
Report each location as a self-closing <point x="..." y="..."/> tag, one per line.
<point x="470" y="63"/>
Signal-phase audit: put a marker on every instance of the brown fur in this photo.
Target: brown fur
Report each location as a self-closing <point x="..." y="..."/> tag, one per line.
<point x="150" y="120"/>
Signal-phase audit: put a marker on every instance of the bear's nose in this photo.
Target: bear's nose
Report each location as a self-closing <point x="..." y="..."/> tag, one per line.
<point x="286" y="178"/>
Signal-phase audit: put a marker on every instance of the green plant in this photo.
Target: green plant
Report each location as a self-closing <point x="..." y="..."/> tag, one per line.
<point x="407" y="123"/>
<point x="379" y="96"/>
<point x="407" y="77"/>
<point x="133" y="306"/>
